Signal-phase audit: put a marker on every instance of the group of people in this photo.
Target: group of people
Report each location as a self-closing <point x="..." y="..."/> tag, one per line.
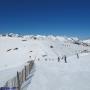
<point x="61" y="58"/>
<point x="64" y="58"/>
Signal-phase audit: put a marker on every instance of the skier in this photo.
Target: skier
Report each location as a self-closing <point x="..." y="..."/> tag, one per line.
<point x="65" y="58"/>
<point x="58" y="59"/>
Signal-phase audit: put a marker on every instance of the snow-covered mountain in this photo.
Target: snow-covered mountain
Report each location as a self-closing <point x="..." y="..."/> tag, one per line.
<point x="87" y="41"/>
<point x="49" y="74"/>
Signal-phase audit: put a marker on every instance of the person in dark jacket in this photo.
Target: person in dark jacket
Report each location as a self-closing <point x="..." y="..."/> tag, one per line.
<point x="58" y="59"/>
<point x="65" y="58"/>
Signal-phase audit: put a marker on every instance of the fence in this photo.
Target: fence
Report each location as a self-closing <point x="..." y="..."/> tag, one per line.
<point x="21" y="76"/>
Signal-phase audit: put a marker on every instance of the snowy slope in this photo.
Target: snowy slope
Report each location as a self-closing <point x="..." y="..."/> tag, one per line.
<point x="53" y="75"/>
<point x="87" y="41"/>
<point x="15" y="51"/>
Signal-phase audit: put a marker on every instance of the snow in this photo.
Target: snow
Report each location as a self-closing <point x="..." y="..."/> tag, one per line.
<point x="53" y="75"/>
<point x="49" y="74"/>
<point x="87" y="41"/>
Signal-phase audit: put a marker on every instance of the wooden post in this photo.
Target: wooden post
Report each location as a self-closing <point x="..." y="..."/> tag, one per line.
<point x="18" y="81"/>
<point x="14" y="82"/>
<point x="25" y="73"/>
<point x="6" y="85"/>
<point x="29" y="68"/>
<point x="22" y="76"/>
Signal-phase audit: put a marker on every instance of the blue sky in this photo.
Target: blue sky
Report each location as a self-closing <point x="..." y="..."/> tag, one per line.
<point x="57" y="17"/>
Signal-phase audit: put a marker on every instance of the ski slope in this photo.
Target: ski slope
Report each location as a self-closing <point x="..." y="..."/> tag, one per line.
<point x="49" y="74"/>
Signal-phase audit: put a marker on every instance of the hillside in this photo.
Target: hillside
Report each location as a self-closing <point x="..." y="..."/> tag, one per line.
<point x="49" y="74"/>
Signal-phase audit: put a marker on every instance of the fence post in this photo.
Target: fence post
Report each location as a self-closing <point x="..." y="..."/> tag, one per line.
<point x="25" y="72"/>
<point x="22" y="76"/>
<point x="6" y="85"/>
<point x="29" y="68"/>
<point x="18" y="81"/>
